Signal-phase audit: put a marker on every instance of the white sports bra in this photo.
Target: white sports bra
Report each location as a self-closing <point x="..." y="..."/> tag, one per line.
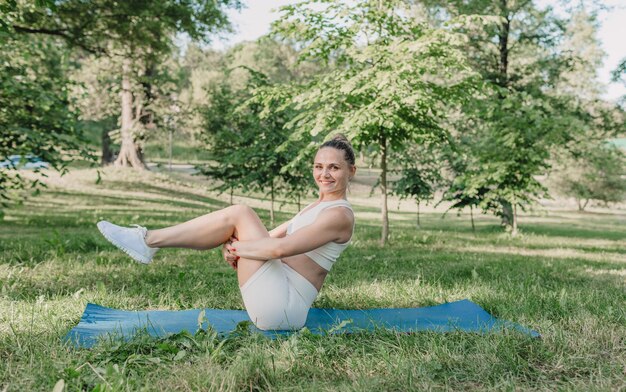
<point x="327" y="254"/>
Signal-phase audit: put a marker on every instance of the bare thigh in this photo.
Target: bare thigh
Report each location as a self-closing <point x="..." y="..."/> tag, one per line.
<point x="248" y="226"/>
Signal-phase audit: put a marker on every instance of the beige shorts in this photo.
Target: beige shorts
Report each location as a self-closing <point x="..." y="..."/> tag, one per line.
<point x="277" y="297"/>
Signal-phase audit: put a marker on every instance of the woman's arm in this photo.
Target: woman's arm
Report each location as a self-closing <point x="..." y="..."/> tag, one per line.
<point x="334" y="224"/>
<point x="280" y="231"/>
<point x="260" y="250"/>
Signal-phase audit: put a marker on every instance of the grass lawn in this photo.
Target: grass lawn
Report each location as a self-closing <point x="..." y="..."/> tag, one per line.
<point x="564" y="277"/>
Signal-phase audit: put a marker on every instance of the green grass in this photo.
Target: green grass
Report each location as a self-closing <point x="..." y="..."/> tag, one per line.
<point x="184" y="150"/>
<point x="564" y="276"/>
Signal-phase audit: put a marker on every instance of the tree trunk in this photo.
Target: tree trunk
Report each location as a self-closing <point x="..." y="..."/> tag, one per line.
<point x="507" y="214"/>
<point x="145" y="114"/>
<point x="503" y="45"/>
<point x="170" y="160"/>
<point x="581" y="205"/>
<point x="418" y="214"/>
<point x="514" y="226"/>
<point x="272" y="203"/>
<point x="232" y="189"/>
<point x="107" y="153"/>
<point x="383" y="187"/>
<point x="472" y="218"/>
<point x="130" y="154"/>
<point x="503" y="81"/>
<point x="298" y="199"/>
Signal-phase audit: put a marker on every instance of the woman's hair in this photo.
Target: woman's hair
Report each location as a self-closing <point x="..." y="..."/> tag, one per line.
<point x="340" y="142"/>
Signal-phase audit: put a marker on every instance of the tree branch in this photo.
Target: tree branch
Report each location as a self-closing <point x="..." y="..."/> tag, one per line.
<point x="60" y="33"/>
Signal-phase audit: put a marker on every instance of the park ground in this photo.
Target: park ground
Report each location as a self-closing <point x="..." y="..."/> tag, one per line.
<point x="564" y="276"/>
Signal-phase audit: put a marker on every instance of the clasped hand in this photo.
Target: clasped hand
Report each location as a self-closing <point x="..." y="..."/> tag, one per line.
<point x="228" y="252"/>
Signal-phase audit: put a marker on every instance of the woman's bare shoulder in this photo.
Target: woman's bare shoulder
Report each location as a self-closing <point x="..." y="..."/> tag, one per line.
<point x="342" y="215"/>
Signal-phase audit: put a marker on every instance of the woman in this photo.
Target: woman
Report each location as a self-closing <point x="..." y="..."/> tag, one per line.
<point x="280" y="272"/>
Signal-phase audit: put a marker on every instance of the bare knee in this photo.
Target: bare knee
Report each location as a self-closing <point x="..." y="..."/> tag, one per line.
<point x="242" y="209"/>
<point x="238" y="211"/>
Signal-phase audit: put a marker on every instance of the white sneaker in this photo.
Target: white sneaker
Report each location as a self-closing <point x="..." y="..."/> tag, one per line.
<point x="130" y="240"/>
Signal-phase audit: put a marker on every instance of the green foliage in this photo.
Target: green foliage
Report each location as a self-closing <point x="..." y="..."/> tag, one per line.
<point x="582" y="50"/>
<point x="204" y="70"/>
<point x="619" y="72"/>
<point x="420" y="174"/>
<point x="598" y="174"/>
<point x="156" y="88"/>
<point x="36" y="114"/>
<point x="242" y="126"/>
<point x="392" y="79"/>
<point x="136" y="28"/>
<point x="135" y="36"/>
<point x="537" y="96"/>
<point x="509" y="148"/>
<point x="243" y="144"/>
<point x="414" y="183"/>
<point x="393" y="86"/>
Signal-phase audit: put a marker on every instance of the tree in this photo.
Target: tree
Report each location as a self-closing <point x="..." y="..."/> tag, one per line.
<point x="155" y="106"/>
<point x="136" y="32"/>
<point x="201" y="71"/>
<point x="243" y="144"/>
<point x="242" y="147"/>
<point x="391" y="76"/>
<point x="584" y="54"/>
<point x="459" y="189"/>
<point x="598" y="174"/>
<point x="510" y="130"/>
<point x="619" y="74"/>
<point x="586" y="168"/>
<point x="36" y="115"/>
<point x="420" y="175"/>
<point x="243" y="127"/>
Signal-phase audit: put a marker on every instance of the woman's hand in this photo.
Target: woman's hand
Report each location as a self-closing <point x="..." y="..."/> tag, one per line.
<point x="228" y="253"/>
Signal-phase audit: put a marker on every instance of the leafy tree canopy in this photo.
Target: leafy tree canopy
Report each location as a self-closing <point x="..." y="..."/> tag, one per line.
<point x="105" y="26"/>
<point x="36" y="115"/>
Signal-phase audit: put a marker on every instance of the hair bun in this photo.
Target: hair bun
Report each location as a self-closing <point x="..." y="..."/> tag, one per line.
<point x="341" y="142"/>
<point x="340" y="137"/>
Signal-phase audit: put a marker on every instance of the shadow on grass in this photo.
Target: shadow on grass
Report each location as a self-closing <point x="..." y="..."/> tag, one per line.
<point x="576" y="232"/>
<point x="150" y="188"/>
<point x="109" y="200"/>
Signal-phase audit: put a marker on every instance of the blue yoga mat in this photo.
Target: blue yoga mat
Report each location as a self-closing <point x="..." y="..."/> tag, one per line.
<point x="98" y="321"/>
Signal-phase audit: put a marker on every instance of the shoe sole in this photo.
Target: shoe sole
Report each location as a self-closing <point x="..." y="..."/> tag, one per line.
<point x="134" y="255"/>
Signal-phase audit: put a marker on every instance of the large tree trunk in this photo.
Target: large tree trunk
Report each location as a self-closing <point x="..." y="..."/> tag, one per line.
<point x="107" y="153"/>
<point x="130" y="154"/>
<point x="383" y="187"/>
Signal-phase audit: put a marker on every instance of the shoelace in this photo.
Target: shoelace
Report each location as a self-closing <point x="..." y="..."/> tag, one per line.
<point x="144" y="231"/>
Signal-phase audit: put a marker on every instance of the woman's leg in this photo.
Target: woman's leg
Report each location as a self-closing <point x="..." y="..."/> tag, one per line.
<point x="212" y="230"/>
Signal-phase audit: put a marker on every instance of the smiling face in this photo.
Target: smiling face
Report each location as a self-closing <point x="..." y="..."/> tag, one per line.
<point x="332" y="172"/>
